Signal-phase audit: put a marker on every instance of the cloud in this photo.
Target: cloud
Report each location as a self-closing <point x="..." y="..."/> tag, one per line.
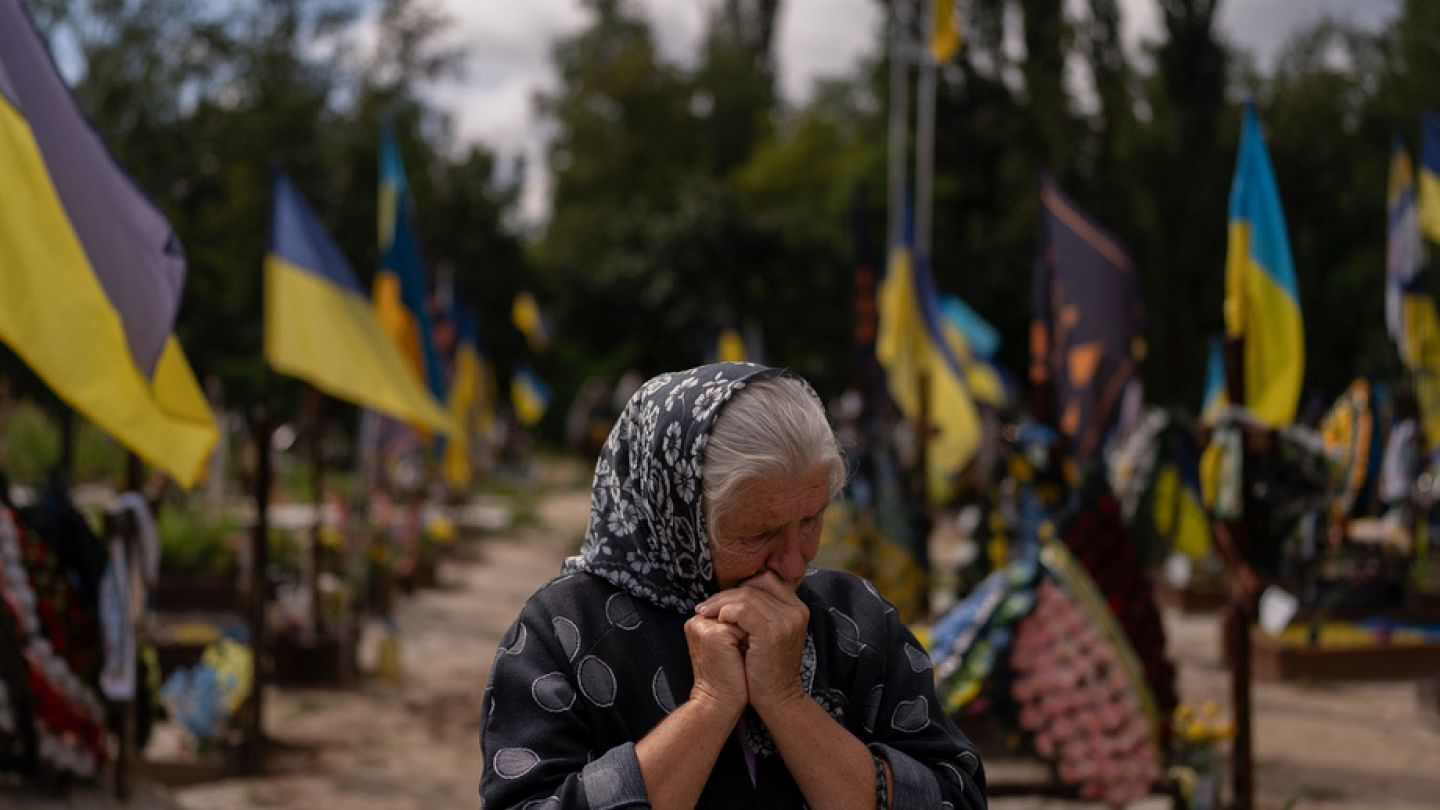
<point x="823" y="38"/>
<point x="507" y="49"/>
<point x="1258" y="26"/>
<point x="507" y="46"/>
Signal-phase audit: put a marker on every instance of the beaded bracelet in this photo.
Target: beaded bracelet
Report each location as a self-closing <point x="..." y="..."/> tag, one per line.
<point x="882" y="788"/>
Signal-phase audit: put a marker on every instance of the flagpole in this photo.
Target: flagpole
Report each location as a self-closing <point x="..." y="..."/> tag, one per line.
<point x="315" y="410"/>
<point x="899" y="119"/>
<point x="253" y="752"/>
<point x="924" y="199"/>
<point x="1234" y="542"/>
<point x="924" y="134"/>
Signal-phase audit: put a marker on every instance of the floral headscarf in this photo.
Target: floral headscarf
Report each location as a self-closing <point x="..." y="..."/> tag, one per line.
<point x="647" y="531"/>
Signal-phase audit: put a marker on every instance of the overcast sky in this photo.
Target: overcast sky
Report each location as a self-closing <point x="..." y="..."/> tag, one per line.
<point x="507" y="45"/>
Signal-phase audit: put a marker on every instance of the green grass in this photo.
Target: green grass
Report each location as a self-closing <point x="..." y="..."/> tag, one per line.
<point x="30" y="447"/>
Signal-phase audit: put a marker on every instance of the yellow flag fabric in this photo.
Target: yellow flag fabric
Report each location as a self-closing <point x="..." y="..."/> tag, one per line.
<point x="58" y="319"/>
<point x="1420" y="349"/>
<point x="1262" y="299"/>
<point x="980" y="377"/>
<point x="1429" y="208"/>
<point x="908" y="345"/>
<point x="526" y="315"/>
<point x="1429" y="192"/>
<point x="947" y="37"/>
<point x="401" y="292"/>
<point x="331" y="339"/>
<point x="464" y="389"/>
<point x="1179" y="514"/>
<point x="319" y="325"/>
<point x="729" y="347"/>
<point x="529" y="396"/>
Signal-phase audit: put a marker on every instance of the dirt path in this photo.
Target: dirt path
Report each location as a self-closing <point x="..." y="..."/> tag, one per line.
<point x="413" y="745"/>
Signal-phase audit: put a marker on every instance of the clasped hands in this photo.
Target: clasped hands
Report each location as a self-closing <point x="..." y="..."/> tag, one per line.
<point x="746" y="643"/>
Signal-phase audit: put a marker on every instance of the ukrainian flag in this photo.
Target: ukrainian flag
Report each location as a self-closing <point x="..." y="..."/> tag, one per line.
<point x="319" y="326"/>
<point x="1262" y="299"/>
<point x="400" y="297"/>
<point x="529" y="396"/>
<point x="90" y="271"/>
<point x="527" y="316"/>
<point x="1429" y="209"/>
<point x="1410" y="314"/>
<point x="464" y="400"/>
<point x="1214" y="400"/>
<point x="973" y="341"/>
<point x="911" y="342"/>
<point x="729" y="346"/>
<point x="1176" y="504"/>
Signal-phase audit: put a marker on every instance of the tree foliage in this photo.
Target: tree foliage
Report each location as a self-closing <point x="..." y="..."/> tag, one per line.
<point x="687" y="195"/>
<point x="201" y="102"/>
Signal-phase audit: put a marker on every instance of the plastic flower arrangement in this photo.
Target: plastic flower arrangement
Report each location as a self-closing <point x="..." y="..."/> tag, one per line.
<point x="206" y="697"/>
<point x="1197" y="762"/>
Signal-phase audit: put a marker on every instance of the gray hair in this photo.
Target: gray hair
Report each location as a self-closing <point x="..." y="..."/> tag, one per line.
<point x="773" y="426"/>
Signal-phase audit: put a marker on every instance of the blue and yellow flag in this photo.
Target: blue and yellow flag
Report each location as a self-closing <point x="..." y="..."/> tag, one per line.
<point x="400" y="295"/>
<point x="1214" y="401"/>
<point x="529" y="396"/>
<point x="973" y="341"/>
<point x="1410" y="313"/>
<point x="1088" y="315"/>
<point x="911" y="342"/>
<point x="1429" y="196"/>
<point x="527" y="316"/>
<point x="1262" y="299"/>
<point x="1177" y="507"/>
<point x="465" y="381"/>
<point x="319" y="326"/>
<point x="90" y="271"/>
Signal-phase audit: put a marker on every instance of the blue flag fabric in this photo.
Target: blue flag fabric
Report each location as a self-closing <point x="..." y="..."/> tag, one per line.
<point x="401" y="293"/>
<point x="1262" y="296"/>
<point x="319" y="326"/>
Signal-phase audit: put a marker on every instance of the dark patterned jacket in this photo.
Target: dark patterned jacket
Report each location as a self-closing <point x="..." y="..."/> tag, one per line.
<point x="587" y="670"/>
<point x="599" y="656"/>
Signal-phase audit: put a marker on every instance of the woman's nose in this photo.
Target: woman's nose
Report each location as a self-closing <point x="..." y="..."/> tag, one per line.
<point x="789" y="560"/>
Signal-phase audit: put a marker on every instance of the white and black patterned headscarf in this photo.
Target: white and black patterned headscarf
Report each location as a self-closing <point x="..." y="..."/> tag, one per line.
<point x="647" y="529"/>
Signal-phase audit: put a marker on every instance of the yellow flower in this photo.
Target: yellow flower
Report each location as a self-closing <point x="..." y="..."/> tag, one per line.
<point x="441" y="529"/>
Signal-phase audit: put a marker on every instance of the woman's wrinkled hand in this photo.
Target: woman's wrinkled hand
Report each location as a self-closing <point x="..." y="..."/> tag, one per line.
<point x="718" y="663"/>
<point x="773" y="620"/>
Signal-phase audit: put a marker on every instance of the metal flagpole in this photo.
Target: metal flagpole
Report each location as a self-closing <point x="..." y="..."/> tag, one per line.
<point x="924" y="134"/>
<point x="899" y="115"/>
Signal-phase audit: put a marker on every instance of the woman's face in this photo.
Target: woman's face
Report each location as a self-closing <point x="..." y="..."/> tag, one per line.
<point x="774" y="525"/>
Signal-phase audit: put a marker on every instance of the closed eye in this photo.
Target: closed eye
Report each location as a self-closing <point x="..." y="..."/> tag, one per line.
<point x="810" y="523"/>
<point x="762" y="538"/>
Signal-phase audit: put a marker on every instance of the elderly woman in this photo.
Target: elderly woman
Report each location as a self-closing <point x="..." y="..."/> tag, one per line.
<point x="689" y="657"/>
